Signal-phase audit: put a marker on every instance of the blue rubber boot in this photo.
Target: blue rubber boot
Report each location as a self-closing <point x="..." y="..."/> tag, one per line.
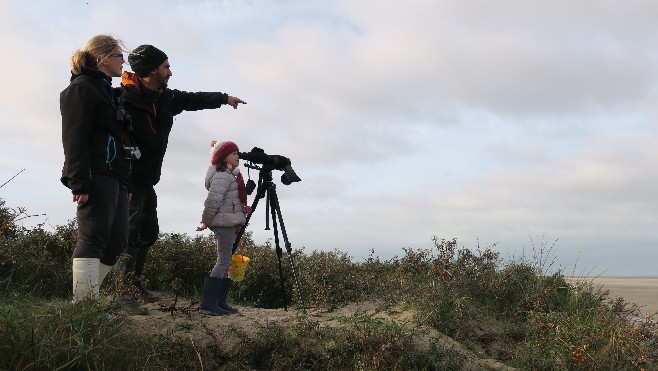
<point x="224" y="286"/>
<point x="210" y="291"/>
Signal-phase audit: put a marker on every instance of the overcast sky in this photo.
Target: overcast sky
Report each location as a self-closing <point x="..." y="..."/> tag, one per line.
<point x="514" y="124"/>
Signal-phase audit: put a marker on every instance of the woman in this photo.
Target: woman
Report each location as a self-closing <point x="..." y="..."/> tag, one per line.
<point x="96" y="162"/>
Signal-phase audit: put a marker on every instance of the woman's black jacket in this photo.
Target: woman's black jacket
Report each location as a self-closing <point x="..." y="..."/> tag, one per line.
<point x="92" y="136"/>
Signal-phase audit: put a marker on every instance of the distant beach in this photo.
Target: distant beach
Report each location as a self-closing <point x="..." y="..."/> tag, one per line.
<point x="642" y="291"/>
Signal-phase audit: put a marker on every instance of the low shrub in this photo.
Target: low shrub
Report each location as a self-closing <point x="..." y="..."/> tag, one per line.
<point x="180" y="260"/>
<point x="587" y="338"/>
<point x="363" y="342"/>
<point x="38" y="261"/>
<point x="519" y="311"/>
<point x="262" y="285"/>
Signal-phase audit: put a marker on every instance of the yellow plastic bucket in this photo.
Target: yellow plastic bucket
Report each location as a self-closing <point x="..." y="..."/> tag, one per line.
<point x="238" y="267"/>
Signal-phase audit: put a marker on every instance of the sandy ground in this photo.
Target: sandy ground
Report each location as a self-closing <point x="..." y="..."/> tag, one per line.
<point x="182" y="319"/>
<point x="184" y="322"/>
<point x="642" y="291"/>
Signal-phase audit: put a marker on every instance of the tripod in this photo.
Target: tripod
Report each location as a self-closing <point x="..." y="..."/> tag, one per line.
<point x="266" y="188"/>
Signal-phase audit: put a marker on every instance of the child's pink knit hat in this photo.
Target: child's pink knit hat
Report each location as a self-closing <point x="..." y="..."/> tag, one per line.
<point x="219" y="150"/>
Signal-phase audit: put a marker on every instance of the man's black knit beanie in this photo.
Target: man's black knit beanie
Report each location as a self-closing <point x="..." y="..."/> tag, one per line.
<point x="146" y="58"/>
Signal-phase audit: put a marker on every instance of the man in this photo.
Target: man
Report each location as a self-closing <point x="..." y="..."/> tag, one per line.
<point x="152" y="107"/>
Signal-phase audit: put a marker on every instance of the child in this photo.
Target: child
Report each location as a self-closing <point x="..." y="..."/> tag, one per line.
<point x="225" y="209"/>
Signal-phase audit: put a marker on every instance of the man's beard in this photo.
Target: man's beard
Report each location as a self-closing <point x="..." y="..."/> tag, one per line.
<point x="162" y="81"/>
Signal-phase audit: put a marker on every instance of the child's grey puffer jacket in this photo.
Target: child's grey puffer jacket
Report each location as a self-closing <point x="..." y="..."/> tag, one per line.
<point x="222" y="207"/>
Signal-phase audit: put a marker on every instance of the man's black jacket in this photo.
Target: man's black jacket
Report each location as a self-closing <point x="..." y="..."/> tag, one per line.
<point x="152" y="122"/>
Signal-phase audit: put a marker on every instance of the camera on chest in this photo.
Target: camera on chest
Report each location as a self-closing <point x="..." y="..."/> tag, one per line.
<point x="131" y="153"/>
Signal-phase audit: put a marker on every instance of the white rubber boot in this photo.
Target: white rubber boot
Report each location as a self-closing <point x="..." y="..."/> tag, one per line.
<point x="103" y="270"/>
<point x="85" y="278"/>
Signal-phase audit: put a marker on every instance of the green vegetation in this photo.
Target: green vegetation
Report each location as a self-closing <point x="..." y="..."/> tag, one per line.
<point x="464" y="304"/>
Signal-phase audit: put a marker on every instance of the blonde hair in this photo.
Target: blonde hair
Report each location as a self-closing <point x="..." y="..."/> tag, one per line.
<point x="97" y="47"/>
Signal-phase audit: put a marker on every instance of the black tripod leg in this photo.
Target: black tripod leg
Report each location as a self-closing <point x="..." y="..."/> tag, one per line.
<point x="277" y="210"/>
<point x="259" y="194"/>
<point x="279" y="252"/>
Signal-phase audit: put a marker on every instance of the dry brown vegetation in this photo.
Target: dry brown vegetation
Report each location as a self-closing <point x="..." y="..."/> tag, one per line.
<point x="445" y="308"/>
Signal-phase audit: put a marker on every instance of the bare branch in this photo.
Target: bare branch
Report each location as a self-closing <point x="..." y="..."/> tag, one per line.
<point x="3" y="184"/>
